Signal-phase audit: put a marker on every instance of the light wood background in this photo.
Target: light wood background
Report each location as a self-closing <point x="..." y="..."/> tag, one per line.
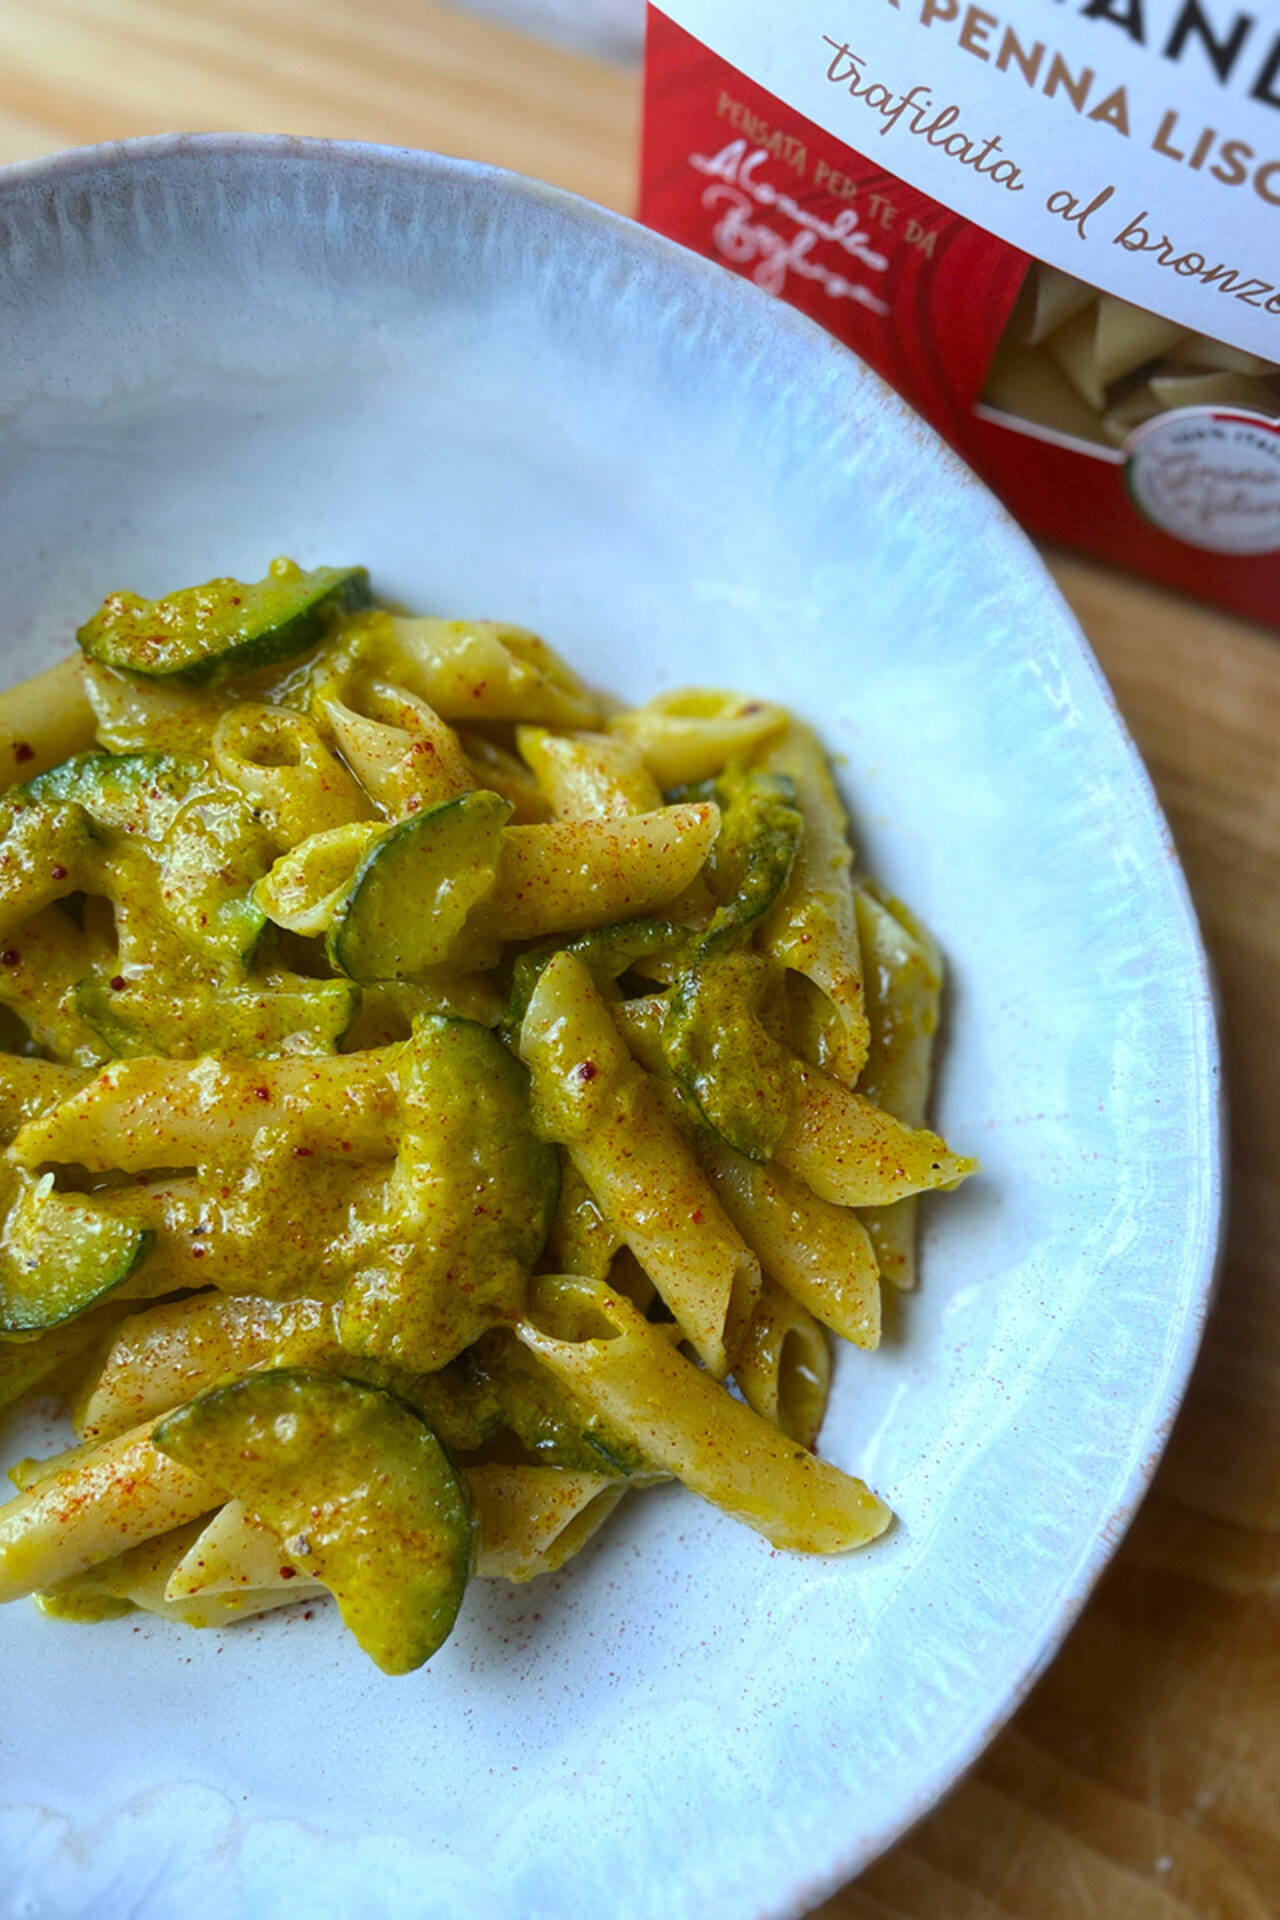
<point x="1141" y="1781"/>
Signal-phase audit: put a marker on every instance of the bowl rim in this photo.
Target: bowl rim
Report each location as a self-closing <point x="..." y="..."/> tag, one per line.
<point x="845" y="1861"/>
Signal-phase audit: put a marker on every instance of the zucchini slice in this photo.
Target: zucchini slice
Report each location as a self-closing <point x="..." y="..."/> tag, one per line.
<point x="415" y="886"/>
<point x="469" y="1205"/>
<point x="194" y="846"/>
<point x="359" y="1490"/>
<point x="723" y="1054"/>
<point x="207" y="633"/>
<point x="760" y="832"/>
<point x="59" y="1254"/>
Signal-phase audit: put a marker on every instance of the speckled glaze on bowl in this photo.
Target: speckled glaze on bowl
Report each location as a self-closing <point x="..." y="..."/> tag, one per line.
<point x="507" y="402"/>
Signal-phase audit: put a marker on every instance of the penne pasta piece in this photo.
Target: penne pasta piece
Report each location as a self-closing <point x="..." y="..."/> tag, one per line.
<point x="307" y="885"/>
<point x="814" y="929"/>
<point x="404" y="755"/>
<point x="601" y="1348"/>
<point x="137" y="1114"/>
<point x="1074" y="349"/>
<point x="570" y="875"/>
<point x="1027" y="383"/>
<point x="1048" y="300"/>
<point x="139" y="1578"/>
<point x="852" y="1153"/>
<point x="231" y="1552"/>
<point x="472" y="670"/>
<point x="819" y="1253"/>
<point x="591" y="1097"/>
<point x="589" y="776"/>
<point x="784" y="1368"/>
<point x="905" y="996"/>
<point x="1198" y="350"/>
<point x="1205" y="387"/>
<point x="904" y="978"/>
<point x="531" y="1520"/>
<point x="43" y="721"/>
<point x="279" y="762"/>
<point x="168" y="1354"/>
<point x="135" y="716"/>
<point x="104" y="1499"/>
<point x="694" y="733"/>
<point x="1126" y="337"/>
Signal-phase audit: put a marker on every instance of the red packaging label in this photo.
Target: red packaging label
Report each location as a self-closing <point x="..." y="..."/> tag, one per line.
<point x="925" y="297"/>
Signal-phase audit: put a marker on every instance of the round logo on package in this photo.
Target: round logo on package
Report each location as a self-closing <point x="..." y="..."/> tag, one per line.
<point x="1209" y="476"/>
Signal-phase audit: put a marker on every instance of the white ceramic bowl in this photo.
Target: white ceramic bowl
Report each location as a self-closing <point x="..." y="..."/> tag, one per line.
<point x="508" y="402"/>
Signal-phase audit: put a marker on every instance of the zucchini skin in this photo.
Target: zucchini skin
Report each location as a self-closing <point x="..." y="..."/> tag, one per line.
<point x="200" y="635"/>
<point x="359" y="1489"/>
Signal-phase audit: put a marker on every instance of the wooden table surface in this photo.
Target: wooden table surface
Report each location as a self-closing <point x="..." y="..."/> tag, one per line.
<point x="1141" y="1780"/>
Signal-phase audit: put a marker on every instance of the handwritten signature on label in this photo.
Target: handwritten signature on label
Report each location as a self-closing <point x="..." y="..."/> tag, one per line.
<point x="738" y="193"/>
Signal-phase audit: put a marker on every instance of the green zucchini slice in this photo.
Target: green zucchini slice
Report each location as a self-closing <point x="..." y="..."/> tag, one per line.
<point x="469" y="1205"/>
<point x="359" y="1490"/>
<point x="195" y="846"/>
<point x="717" y="1041"/>
<point x="59" y="1255"/>
<point x="208" y="633"/>
<point x="415" y="886"/>
<point x="760" y="832"/>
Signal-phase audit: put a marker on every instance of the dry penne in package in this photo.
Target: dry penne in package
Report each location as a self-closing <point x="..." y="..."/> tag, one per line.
<point x="1051" y="231"/>
<point x="439" y="1105"/>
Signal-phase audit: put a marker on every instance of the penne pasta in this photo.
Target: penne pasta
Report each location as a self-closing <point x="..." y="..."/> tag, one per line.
<point x="137" y="1114"/>
<point x="600" y="1347"/>
<point x="44" y="721"/>
<point x="820" y="1253"/>
<point x="814" y="930"/>
<point x="573" y="874"/>
<point x="784" y="1368"/>
<point x="280" y="763"/>
<point x="105" y="1499"/>
<point x="591" y="1097"/>
<point x="404" y="755"/>
<point x="905" y="975"/>
<point x="531" y="1520"/>
<point x="695" y="733"/>
<point x="470" y="670"/>
<point x="589" y="776"/>
<point x="1050" y="298"/>
<point x="1096" y="368"/>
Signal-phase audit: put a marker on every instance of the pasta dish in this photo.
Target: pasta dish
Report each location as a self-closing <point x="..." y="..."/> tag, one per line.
<point x="438" y="1104"/>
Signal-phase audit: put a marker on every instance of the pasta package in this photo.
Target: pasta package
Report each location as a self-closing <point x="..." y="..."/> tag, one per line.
<point x="418" y="1136"/>
<point x="1054" y="229"/>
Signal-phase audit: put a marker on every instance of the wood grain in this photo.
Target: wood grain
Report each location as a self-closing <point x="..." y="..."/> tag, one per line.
<point x="1142" y="1777"/>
